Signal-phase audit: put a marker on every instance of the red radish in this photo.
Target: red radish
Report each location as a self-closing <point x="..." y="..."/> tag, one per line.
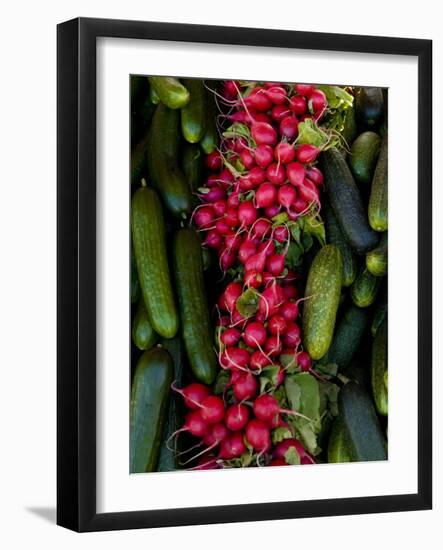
<point x="284" y="152"/>
<point x="277" y="95"/>
<point x="267" y="409"/>
<point x="212" y="409"/>
<point x="264" y="155"/>
<point x="275" y="264"/>
<point x="298" y="105"/>
<point x="245" y="184"/>
<point x="273" y="346"/>
<point x="277" y="324"/>
<point x="289" y="311"/>
<point x="246" y="250"/>
<point x="233" y="200"/>
<point x="231" y="217"/>
<point x="214" y="161"/>
<point x="296" y="173"/>
<point x="219" y="208"/>
<point x="193" y="394"/>
<point x="261" y="228"/>
<point x="268" y="278"/>
<point x="256" y="262"/>
<point x="281" y="233"/>
<point x="314" y="175"/>
<point x="259" y="100"/>
<point x="204" y="217"/>
<point x="253" y="279"/>
<point x="307" y="153"/>
<point x="270" y="300"/>
<point x="300" y="206"/>
<point x="304" y="89"/>
<point x="232" y="446"/>
<point x="276" y="173"/>
<point x="226" y="177"/>
<point x="222" y="227"/>
<point x="255" y="334"/>
<point x="247" y="214"/>
<point x="258" y="436"/>
<point x="279" y="112"/>
<point x="227" y="259"/>
<point x="240" y="116"/>
<point x="245" y="387"/>
<point x="280" y="450"/>
<point x="289" y="127"/>
<point x="256" y="175"/>
<point x="230" y="337"/>
<point x="263" y="133"/>
<point x="235" y="358"/>
<point x="317" y="101"/>
<point x="265" y="195"/>
<point x="272" y="84"/>
<point x="267" y="247"/>
<point x="304" y="361"/>
<point x="194" y="424"/>
<point x="278" y="462"/>
<point x="247" y="159"/>
<point x="230" y="89"/>
<point x="215" y="434"/>
<point x="262" y="117"/>
<point x="213" y="239"/>
<point x="290" y="291"/>
<point x="307" y="460"/>
<point x="309" y="192"/>
<point x="259" y="360"/>
<point x="222" y="321"/>
<point x="292" y="336"/>
<point x="206" y="462"/>
<point x="233" y="241"/>
<point x="287" y="195"/>
<point x="231" y="294"/>
<point x="272" y="211"/>
<point x="213" y="180"/>
<point x="213" y="194"/>
<point x="237" y="417"/>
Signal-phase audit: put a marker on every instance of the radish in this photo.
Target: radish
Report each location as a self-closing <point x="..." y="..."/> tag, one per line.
<point x="289" y="311"/>
<point x="247" y="214"/>
<point x="232" y="446"/>
<point x="235" y="358"/>
<point x="245" y="184"/>
<point x="213" y="239"/>
<point x="222" y="227"/>
<point x="258" y="436"/>
<point x="265" y="195"/>
<point x="309" y="192"/>
<point x="307" y="153"/>
<point x="277" y="95"/>
<point x="246" y="250"/>
<point x="298" y="105"/>
<point x="255" y="334"/>
<point x="280" y="450"/>
<point x="231" y="294"/>
<point x="281" y="232"/>
<point x="233" y="200"/>
<point x="275" y="264"/>
<point x="259" y="100"/>
<point x="287" y="195"/>
<point x="204" y="217"/>
<point x="267" y="248"/>
<point x="245" y="387"/>
<point x="304" y="89"/>
<point x="247" y="159"/>
<point x="262" y="117"/>
<point x="194" y="424"/>
<point x="284" y="152"/>
<point x="300" y="206"/>
<point x="237" y="417"/>
<point x="212" y="409"/>
<point x="214" y="194"/>
<point x="279" y="112"/>
<point x="219" y="207"/>
<point x="276" y="173"/>
<point x="278" y="462"/>
<point x="317" y="101"/>
<point x="263" y="133"/>
<point x="267" y="409"/>
<point x="259" y="360"/>
<point x="227" y="259"/>
<point x="273" y="346"/>
<point x="292" y="336"/>
<point x="215" y="434"/>
<point x="231" y="218"/>
<point x="214" y="161"/>
<point x="314" y="175"/>
<point x="230" y="337"/>
<point x="270" y="300"/>
<point x="233" y="241"/>
<point x="225" y="177"/>
<point x="277" y="324"/>
<point x="290" y="291"/>
<point x="272" y="211"/>
<point x="296" y="173"/>
<point x="304" y="361"/>
<point x="230" y="89"/>
<point x="264" y="155"/>
<point x="256" y="262"/>
<point x="256" y="175"/>
<point x="193" y="394"/>
<point x="289" y="127"/>
<point x="260" y="228"/>
<point x="253" y="279"/>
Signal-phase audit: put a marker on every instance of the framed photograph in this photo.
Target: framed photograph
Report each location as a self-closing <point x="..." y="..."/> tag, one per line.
<point x="227" y="312"/>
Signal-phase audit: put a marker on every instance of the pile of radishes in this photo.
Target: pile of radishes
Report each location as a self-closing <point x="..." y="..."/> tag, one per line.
<point x="261" y="181"/>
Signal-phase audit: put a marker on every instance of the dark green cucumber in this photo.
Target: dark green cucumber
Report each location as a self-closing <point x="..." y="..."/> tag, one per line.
<point x="379" y="369"/>
<point x="378" y="200"/>
<point x="364" y="439"/>
<point x="377" y="259"/>
<point x="139" y="161"/>
<point x="347" y="202"/>
<point x="369" y="107"/>
<point x="163" y="155"/>
<point x="349" y="132"/>
<point x="192" y="165"/>
<point x="149" y="241"/>
<point x="380" y="315"/>
<point x="322" y="294"/>
<point x="335" y="236"/>
<point x="196" y="325"/>
<point x="364" y="289"/>
<point x="364" y="155"/>
<point x="149" y="397"/>
<point x="347" y="337"/>
<point x="337" y="450"/>
<point x="135" y="286"/>
<point x="143" y="335"/>
<point x="193" y="115"/>
<point x="170" y="91"/>
<point x="210" y="139"/>
<point x="168" y="459"/>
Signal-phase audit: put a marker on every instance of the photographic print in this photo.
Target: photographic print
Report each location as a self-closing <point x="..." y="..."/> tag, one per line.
<point x="259" y="228"/>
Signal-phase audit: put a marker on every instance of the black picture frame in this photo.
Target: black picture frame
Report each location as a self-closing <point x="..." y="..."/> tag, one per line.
<point x="76" y="273"/>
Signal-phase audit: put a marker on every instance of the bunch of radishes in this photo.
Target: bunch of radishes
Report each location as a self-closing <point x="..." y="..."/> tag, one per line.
<point x="261" y="181"/>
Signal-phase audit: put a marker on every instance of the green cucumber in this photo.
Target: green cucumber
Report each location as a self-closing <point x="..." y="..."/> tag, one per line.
<point x="149" y="241"/>
<point x="379" y="369"/>
<point x="369" y="107"/>
<point x="337" y="450"/>
<point x="377" y="259"/>
<point x="380" y="315"/>
<point x="364" y="289"/>
<point x="143" y="335"/>
<point x="349" y="131"/>
<point x="168" y="459"/>
<point x="170" y="91"/>
<point x="153" y="96"/>
<point x="149" y="397"/>
<point x="364" y="155"/>
<point x="335" y="236"/>
<point x="192" y="166"/>
<point x="196" y="324"/>
<point x="193" y="115"/>
<point x="347" y="202"/>
<point x="135" y="286"/>
<point x="323" y="289"/>
<point x="139" y="161"/>
<point x="347" y="337"/>
<point x="378" y="200"/>
<point x="210" y="139"/>
<point x="364" y="438"/>
<point x="163" y="155"/>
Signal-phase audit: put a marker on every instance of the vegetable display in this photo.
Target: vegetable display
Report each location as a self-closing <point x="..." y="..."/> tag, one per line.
<point x="258" y="274"/>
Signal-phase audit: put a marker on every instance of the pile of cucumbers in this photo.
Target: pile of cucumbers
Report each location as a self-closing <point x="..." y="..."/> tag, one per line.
<point x="345" y="321"/>
<point x="172" y="126"/>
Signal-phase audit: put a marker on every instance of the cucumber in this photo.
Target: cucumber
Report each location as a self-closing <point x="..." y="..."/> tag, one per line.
<point x="379" y="369"/>
<point x="369" y="107"/>
<point x="196" y="325"/>
<point x="349" y="131"/>
<point x="346" y="202"/>
<point x="337" y="450"/>
<point x="192" y="166"/>
<point x="210" y="138"/>
<point x="135" y="286"/>
<point x="323" y="289"/>
<point x="364" y="439"/>
<point x="364" y="289"/>
<point x="153" y="96"/>
<point x="163" y="166"/>
<point x="139" y="161"/>
<point x="170" y="91"/>
<point x="168" y="459"/>
<point x="377" y="259"/>
<point x="347" y="337"/>
<point x="364" y="155"/>
<point x="380" y="315"/>
<point x="143" y="335"/>
<point x="149" y="397"/>
<point x="193" y="115"/>
<point x="378" y="200"/>
<point x="149" y="241"/>
<point x="335" y="236"/>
